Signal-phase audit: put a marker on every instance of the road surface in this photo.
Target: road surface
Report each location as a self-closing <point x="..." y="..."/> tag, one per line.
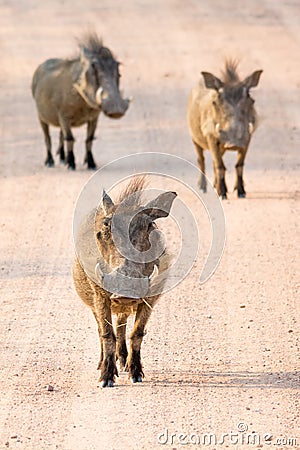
<point x="222" y="359"/>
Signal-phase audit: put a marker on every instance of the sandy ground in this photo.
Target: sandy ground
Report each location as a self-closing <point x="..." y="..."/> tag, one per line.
<point x="219" y="358"/>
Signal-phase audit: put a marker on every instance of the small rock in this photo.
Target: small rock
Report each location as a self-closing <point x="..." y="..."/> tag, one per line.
<point x="50" y="388"/>
<point x="242" y="306"/>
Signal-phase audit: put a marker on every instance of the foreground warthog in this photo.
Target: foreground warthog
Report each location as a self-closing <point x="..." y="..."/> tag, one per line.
<point x="124" y="284"/>
<point x="222" y="117"/>
<point x="72" y="92"/>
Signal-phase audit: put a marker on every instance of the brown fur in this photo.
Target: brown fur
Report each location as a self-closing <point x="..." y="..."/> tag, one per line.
<point x="68" y="94"/>
<point x="102" y="303"/>
<point x="222" y="117"/>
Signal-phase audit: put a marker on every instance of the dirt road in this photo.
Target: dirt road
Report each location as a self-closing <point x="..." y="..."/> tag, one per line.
<point x="219" y="358"/>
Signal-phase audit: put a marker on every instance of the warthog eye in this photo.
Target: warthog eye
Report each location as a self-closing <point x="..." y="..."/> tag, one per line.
<point x="106" y="222"/>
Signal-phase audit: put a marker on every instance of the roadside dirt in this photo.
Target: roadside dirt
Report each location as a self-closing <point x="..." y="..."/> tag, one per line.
<point x="219" y="358"/>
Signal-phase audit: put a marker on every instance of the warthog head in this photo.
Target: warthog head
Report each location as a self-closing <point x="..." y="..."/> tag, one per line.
<point x="232" y="106"/>
<point x="96" y="78"/>
<point x="129" y="240"/>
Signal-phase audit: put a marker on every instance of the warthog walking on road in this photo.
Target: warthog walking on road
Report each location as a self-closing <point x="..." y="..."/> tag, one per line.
<point x="72" y="92"/>
<point x="124" y="284"/>
<point x="222" y="117"/>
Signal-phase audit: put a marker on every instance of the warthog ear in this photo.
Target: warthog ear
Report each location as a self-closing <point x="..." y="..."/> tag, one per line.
<point x="160" y="206"/>
<point x="253" y="79"/>
<point x="212" y="82"/>
<point x="107" y="203"/>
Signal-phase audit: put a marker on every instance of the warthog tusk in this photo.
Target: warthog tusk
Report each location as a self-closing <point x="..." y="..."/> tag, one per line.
<point x="154" y="273"/>
<point x="98" y="271"/>
<point x="130" y="99"/>
<point x="99" y="95"/>
<point x="217" y="126"/>
<point x="251" y="127"/>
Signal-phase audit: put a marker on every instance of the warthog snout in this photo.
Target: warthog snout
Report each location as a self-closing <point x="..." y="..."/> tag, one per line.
<point x="235" y="137"/>
<point x="125" y="283"/>
<point x="113" y="105"/>
<point x="115" y="110"/>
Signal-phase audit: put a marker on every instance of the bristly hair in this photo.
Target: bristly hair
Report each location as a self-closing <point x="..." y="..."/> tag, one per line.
<point x="91" y="42"/>
<point x="230" y="74"/>
<point x="135" y="186"/>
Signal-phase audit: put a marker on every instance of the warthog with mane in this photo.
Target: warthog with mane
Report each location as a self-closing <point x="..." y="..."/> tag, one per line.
<point x="222" y="117"/>
<point x="132" y="279"/>
<point x="72" y="92"/>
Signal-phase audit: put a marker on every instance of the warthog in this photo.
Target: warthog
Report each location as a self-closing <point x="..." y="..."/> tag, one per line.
<point x="124" y="284"/>
<point x="72" y="92"/>
<point x="222" y="117"/>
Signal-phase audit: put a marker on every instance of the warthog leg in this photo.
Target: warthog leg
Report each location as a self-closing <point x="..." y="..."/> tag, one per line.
<point x="102" y="312"/>
<point x="201" y="164"/>
<point x="70" y="155"/>
<point x="101" y="340"/>
<point x="239" y="185"/>
<point x="61" y="150"/>
<point x="122" y="352"/>
<point x="49" y="160"/>
<point x="134" y="365"/>
<point x="68" y="136"/>
<point x="91" y="128"/>
<point x="219" y="167"/>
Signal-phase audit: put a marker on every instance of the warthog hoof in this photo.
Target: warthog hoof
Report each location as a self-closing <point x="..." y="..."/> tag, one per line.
<point x="202" y="184"/>
<point x="89" y="160"/>
<point x="241" y="194"/>
<point x="137" y="379"/>
<point x="224" y="196"/>
<point x="49" y="162"/>
<point x="107" y="383"/>
<point x="62" y="157"/>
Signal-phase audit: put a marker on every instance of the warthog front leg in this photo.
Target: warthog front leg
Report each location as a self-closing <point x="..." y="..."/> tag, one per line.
<point x="219" y="167"/>
<point x="122" y="352"/>
<point x="201" y="164"/>
<point x="91" y="128"/>
<point x="239" y="185"/>
<point x="101" y="341"/>
<point x="49" y="160"/>
<point x="134" y="364"/>
<point x="107" y="339"/>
